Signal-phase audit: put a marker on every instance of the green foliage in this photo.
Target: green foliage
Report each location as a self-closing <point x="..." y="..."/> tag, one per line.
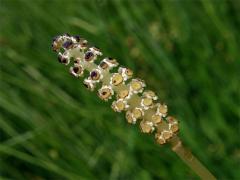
<point x="51" y="127"/>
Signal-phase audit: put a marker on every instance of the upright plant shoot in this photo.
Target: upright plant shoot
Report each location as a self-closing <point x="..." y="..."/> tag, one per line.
<point x="128" y="94"/>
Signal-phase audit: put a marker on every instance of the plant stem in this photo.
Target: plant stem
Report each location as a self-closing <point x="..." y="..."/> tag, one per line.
<point x="190" y="159"/>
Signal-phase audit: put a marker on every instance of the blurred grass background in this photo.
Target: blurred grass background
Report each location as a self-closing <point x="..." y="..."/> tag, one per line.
<point x="51" y="127"/>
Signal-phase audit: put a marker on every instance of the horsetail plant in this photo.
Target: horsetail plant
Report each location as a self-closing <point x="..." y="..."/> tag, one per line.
<point x="130" y="95"/>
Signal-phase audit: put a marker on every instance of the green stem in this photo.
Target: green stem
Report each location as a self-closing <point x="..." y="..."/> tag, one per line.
<point x="191" y="160"/>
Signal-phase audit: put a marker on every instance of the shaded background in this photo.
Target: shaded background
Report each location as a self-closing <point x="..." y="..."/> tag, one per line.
<point x="51" y="127"/>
